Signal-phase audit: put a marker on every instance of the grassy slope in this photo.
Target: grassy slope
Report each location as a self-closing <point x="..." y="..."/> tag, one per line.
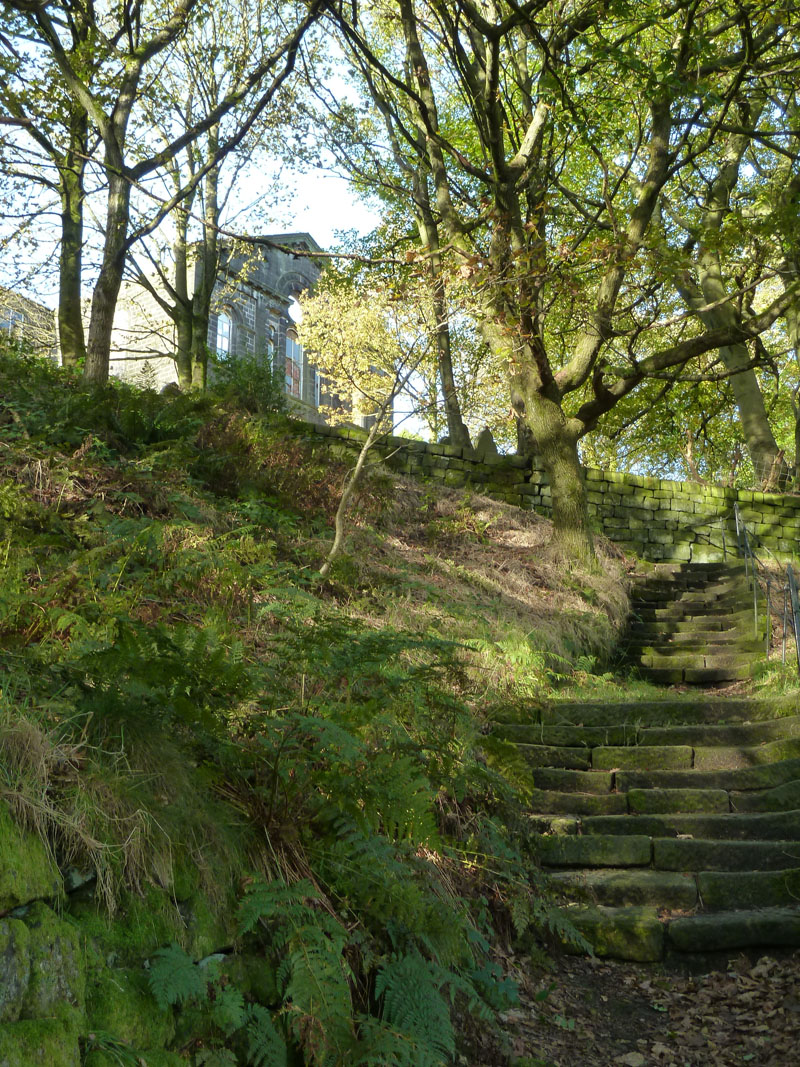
<point x="188" y="712"/>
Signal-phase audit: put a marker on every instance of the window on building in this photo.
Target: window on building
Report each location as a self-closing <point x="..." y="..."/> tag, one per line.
<point x="294" y="365"/>
<point x="224" y="335"/>
<point x="316" y="386"/>
<point x="11" y="323"/>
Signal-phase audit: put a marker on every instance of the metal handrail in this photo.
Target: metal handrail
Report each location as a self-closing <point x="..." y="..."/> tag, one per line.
<point x="752" y="564"/>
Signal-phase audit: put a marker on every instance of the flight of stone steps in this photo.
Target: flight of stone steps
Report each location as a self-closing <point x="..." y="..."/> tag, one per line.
<point x="694" y="623"/>
<point x="670" y="825"/>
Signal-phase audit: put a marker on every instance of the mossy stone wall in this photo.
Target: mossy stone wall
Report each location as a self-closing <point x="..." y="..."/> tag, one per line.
<point x="656" y="518"/>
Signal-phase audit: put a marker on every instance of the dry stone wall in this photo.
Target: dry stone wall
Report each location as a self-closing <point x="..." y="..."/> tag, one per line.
<point x="656" y="518"/>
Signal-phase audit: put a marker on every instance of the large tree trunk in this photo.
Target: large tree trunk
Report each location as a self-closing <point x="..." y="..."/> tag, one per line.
<point x="183" y="310"/>
<point x="71" y="337"/>
<point x="557" y="443"/>
<point x="106" y="291"/>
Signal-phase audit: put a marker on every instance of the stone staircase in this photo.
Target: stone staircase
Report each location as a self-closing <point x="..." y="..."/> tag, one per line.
<point x="673" y="825"/>
<point x="693" y="623"/>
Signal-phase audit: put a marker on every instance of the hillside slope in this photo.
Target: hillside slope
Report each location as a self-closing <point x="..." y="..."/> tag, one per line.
<point x="251" y="817"/>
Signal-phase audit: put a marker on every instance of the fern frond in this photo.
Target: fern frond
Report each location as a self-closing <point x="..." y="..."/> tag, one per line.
<point x="228" y="1011"/>
<point x="317" y="995"/>
<point x="276" y="901"/>
<point x="265" y="1045"/>
<point x="174" y="977"/>
<point x="413" y="1003"/>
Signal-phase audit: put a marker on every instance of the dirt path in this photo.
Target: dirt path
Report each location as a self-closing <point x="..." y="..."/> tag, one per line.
<point x="606" y="1013"/>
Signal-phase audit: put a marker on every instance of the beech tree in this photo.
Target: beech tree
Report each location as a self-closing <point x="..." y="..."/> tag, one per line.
<point x="550" y="136"/>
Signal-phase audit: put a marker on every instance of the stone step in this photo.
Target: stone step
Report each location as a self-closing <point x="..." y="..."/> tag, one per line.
<point x="781" y="798"/>
<point x="707" y="675"/>
<point x="742" y="622"/>
<point x="685" y="659"/>
<point x="721" y="890"/>
<point x="648" y="757"/>
<point x="764" y="776"/>
<point x="568" y="735"/>
<point x="684" y="611"/>
<point x="631" y="933"/>
<point x="697" y="639"/>
<point x="668" y="647"/>
<point x="549" y="802"/>
<point x="562" y="780"/>
<point x="569" y="850"/>
<point x="718" y="931"/>
<point x="730" y="826"/>
<point x="628" y="888"/>
<point x="675" y="801"/>
<point x="691" y="709"/>
<point x="719" y="757"/>
<point x="725" y="734"/>
<point x="577" y="759"/>
<point x="695" y="854"/>
<point x="748" y="779"/>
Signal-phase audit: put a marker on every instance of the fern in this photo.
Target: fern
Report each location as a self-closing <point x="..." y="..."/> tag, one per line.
<point x="215" y="1057"/>
<point x="174" y="978"/>
<point x="414" y="1005"/>
<point x="277" y="901"/>
<point x="228" y="1011"/>
<point x="265" y="1046"/>
<point x="317" y="996"/>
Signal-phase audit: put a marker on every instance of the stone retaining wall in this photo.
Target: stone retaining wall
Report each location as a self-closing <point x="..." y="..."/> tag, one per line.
<point x="656" y="518"/>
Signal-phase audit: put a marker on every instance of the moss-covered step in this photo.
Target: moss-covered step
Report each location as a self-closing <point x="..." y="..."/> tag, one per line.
<point x="781" y="798"/>
<point x="566" y="734"/>
<point x="747" y="826"/>
<point x="596" y="851"/>
<point x="721" y="890"/>
<point x="620" y="933"/>
<point x="692" y="708"/>
<point x="562" y="780"/>
<point x="685" y="854"/>
<point x="548" y="802"/>
<point x="739" y="757"/>
<point x="628" y="887"/>
<point x="669" y="801"/>
<point x="727" y="734"/>
<point x="716" y="931"/>
<point x="670" y="757"/>
<point x="713" y="675"/>
<point x="576" y="759"/>
<point x="762" y="776"/>
<point x="721" y="641"/>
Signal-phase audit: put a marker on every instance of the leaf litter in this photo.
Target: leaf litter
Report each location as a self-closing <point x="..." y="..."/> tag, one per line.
<point x="608" y="1013"/>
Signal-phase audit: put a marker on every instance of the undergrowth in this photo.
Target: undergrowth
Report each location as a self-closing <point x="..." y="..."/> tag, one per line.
<point x="186" y="706"/>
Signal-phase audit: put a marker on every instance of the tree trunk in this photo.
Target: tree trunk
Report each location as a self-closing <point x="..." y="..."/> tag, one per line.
<point x="106" y="291"/>
<point x="72" y="341"/>
<point x="557" y="444"/>
<point x="429" y="235"/>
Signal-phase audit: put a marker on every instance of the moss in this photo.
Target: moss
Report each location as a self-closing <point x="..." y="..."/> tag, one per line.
<point x="145" y="1058"/>
<point x="39" y="1041"/>
<point x="206" y="929"/>
<point x="140" y="926"/>
<point x="57" y="981"/>
<point x="15" y="965"/>
<point x="255" y="976"/>
<point x="118" y="1002"/>
<point x="27" y="871"/>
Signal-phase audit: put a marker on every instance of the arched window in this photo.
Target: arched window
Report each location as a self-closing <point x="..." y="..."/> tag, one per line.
<point x="294" y="365"/>
<point x="224" y="335"/>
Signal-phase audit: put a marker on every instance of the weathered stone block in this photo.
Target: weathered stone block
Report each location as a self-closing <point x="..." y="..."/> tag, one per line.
<point x="27" y="871"/>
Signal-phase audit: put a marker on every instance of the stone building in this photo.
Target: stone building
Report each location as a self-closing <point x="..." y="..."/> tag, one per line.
<point x="254" y="297"/>
<point x="27" y="323"/>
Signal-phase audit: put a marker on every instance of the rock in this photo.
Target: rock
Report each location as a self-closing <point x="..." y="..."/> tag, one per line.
<point x="15" y="966"/>
<point x="27" y="871"/>
<point x="485" y="445"/>
<point x="57" y="976"/>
